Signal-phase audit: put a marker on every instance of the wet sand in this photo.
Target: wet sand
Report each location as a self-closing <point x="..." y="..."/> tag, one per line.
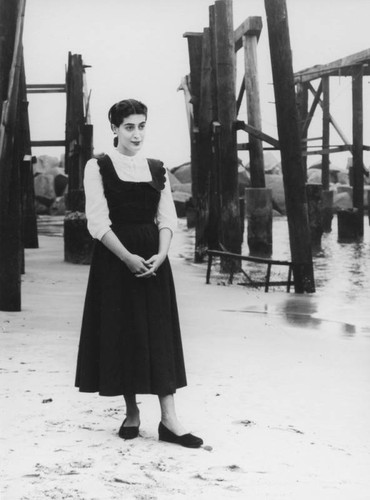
<point x="280" y="395"/>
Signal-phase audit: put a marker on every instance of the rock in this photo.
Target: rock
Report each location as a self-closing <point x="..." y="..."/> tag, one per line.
<point x="342" y="201"/>
<point x="174" y="182"/>
<point x="182" y="172"/>
<point x="44" y="189"/>
<point x="275" y="183"/>
<point x="58" y="207"/>
<point x="50" y="182"/>
<point x="314" y="176"/>
<point x="46" y="165"/>
<point x="181" y="200"/>
<point x="60" y="184"/>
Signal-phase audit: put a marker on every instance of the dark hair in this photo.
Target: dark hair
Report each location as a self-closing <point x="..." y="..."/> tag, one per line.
<point x="122" y="109"/>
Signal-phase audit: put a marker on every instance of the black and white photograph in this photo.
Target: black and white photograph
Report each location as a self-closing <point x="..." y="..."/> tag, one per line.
<point x="184" y="249"/>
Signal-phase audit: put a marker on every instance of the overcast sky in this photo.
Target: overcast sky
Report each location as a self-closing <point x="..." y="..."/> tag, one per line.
<point x="136" y="49"/>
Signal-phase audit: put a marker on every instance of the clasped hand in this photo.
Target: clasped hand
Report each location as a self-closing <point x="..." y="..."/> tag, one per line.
<point x="142" y="268"/>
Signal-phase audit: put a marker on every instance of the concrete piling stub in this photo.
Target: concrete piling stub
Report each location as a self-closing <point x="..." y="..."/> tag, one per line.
<point x="349" y="228"/>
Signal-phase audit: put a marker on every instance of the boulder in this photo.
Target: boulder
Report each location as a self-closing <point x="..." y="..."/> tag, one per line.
<point x="46" y="165"/>
<point x="60" y="184"/>
<point x="44" y="189"/>
<point x="342" y="201"/>
<point x="182" y="172"/>
<point x="275" y="183"/>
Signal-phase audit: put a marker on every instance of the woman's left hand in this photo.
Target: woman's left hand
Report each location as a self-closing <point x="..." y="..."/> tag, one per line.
<point x="152" y="264"/>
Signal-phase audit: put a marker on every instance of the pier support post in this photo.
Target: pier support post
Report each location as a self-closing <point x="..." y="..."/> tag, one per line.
<point x="348" y="226"/>
<point x="290" y="144"/>
<point x="315" y="213"/>
<point x="79" y="149"/>
<point x="327" y="210"/>
<point x="258" y="211"/>
<point x="230" y="236"/>
<point x="357" y="149"/>
<point x="250" y="41"/>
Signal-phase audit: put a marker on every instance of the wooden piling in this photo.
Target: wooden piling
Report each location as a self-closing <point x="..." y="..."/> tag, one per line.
<point x="250" y="41"/>
<point x="214" y="224"/>
<point x="327" y="210"/>
<point x="325" y="158"/>
<point x="357" y="148"/>
<point x="230" y="236"/>
<point x="302" y="104"/>
<point x="195" y="62"/>
<point x="195" y="48"/>
<point x="11" y="55"/>
<point x="79" y="148"/>
<point x="204" y="237"/>
<point x="315" y="213"/>
<point x="29" y="217"/>
<point x="290" y="143"/>
<point x="75" y="119"/>
<point x="258" y="211"/>
<point x="348" y="227"/>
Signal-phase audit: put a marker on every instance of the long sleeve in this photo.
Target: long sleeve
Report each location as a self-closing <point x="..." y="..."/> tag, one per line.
<point x="166" y="213"/>
<point x="97" y="212"/>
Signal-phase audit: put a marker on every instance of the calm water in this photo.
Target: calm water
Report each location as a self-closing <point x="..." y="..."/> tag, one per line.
<point x="342" y="274"/>
<point x="342" y="278"/>
<point x="341" y="269"/>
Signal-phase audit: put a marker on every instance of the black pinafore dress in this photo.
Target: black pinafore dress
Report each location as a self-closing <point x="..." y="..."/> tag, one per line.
<point x="130" y="339"/>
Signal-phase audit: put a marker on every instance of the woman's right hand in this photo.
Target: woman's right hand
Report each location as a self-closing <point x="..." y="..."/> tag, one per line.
<point x="136" y="264"/>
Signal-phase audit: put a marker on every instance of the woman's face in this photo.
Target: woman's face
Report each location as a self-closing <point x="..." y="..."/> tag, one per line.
<point x="130" y="134"/>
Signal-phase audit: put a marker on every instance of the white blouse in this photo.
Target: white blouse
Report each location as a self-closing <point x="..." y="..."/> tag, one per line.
<point x="131" y="169"/>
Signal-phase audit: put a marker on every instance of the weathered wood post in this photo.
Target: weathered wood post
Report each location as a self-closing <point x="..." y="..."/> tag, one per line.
<point x="230" y="229"/>
<point x="327" y="195"/>
<point x="351" y="221"/>
<point x="206" y="113"/>
<point x="77" y="240"/>
<point x="11" y="250"/>
<point x="258" y="210"/>
<point x="290" y="144"/>
<point x="252" y="90"/>
<point x="214" y="224"/>
<point x="258" y="204"/>
<point x="348" y="225"/>
<point x="325" y="157"/>
<point x="195" y="48"/>
<point x="29" y="218"/>
<point x="357" y="146"/>
<point x="315" y="213"/>
<point x="302" y="104"/>
<point x="327" y="210"/>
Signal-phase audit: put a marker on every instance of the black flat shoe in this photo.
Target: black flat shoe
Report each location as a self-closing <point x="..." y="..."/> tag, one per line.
<point x="187" y="440"/>
<point x="128" y="432"/>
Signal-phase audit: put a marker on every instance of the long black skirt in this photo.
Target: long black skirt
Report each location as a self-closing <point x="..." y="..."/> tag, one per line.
<point x="130" y="336"/>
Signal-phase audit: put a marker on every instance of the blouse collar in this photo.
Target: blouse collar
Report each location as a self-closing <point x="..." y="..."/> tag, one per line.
<point x="137" y="160"/>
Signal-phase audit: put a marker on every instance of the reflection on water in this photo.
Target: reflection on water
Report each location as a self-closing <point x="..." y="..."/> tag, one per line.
<point x="342" y="277"/>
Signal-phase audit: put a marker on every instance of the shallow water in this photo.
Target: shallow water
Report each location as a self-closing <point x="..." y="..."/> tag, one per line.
<point x="341" y="303"/>
<point x="341" y="270"/>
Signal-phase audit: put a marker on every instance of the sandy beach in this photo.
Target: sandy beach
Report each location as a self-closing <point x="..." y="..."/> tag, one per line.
<point x="283" y="405"/>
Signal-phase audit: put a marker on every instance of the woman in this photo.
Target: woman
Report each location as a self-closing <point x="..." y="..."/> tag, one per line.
<point x="130" y="337"/>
